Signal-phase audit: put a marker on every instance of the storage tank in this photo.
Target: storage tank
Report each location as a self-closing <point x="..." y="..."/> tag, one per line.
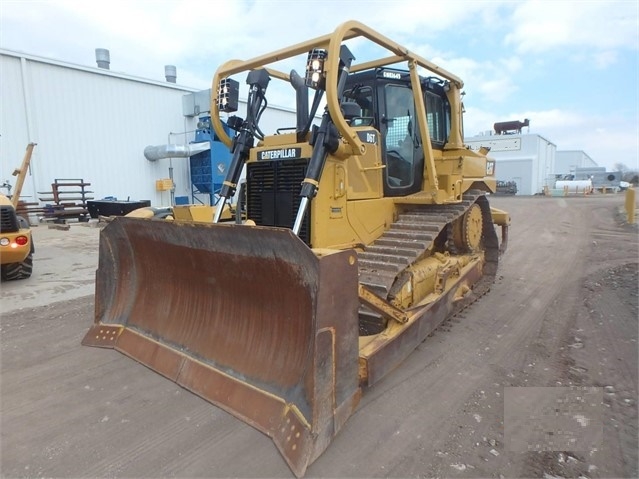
<point x="574" y="186"/>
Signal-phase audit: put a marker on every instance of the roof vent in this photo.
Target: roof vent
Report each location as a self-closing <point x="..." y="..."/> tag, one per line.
<point x="102" y="58"/>
<point x="170" y="73"/>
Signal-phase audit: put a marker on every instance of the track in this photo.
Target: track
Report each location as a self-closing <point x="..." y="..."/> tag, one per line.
<point x="412" y="237"/>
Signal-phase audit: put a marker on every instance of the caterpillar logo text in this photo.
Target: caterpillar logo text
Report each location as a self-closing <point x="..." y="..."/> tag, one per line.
<point x="281" y="154"/>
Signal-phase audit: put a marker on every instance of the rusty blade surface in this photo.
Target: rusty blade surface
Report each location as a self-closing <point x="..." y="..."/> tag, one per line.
<point x="249" y="318"/>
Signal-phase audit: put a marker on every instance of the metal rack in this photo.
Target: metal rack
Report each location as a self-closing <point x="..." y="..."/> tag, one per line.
<point x="69" y="197"/>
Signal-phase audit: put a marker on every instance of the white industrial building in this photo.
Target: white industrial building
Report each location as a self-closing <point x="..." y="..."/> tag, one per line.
<point x="568" y="161"/>
<point x="93" y="124"/>
<point x="527" y="159"/>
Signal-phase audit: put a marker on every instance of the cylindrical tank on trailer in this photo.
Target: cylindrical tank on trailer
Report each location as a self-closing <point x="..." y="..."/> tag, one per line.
<point x="574" y="186"/>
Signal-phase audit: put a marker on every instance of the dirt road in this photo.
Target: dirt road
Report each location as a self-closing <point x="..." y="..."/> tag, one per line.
<point x="536" y="379"/>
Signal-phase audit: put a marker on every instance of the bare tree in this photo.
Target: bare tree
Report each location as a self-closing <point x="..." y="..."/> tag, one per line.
<point x="627" y="174"/>
<point x="621" y="167"/>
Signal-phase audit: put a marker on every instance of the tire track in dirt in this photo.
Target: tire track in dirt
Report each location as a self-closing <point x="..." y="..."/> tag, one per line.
<point x="585" y="347"/>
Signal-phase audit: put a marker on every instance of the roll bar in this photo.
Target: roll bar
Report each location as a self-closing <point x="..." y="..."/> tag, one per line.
<point x="332" y="42"/>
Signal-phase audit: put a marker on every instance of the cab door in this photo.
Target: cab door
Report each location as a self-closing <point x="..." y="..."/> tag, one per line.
<point x="402" y="151"/>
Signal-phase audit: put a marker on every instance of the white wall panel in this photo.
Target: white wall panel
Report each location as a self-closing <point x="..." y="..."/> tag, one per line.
<point x="14" y="131"/>
<point x="520" y="171"/>
<point x="96" y="127"/>
<point x="94" y="124"/>
<point x="567" y="161"/>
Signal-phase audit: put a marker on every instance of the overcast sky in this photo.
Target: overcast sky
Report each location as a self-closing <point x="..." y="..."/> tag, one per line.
<point x="571" y="67"/>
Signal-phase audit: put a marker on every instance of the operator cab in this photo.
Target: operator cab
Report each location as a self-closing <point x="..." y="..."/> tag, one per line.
<point x="386" y="101"/>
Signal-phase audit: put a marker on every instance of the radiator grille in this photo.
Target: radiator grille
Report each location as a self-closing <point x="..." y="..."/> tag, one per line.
<point x="8" y="220"/>
<point x="273" y="194"/>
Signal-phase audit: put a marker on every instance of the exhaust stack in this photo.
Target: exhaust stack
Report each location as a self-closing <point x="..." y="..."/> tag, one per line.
<point x="170" y="73"/>
<point x="102" y="58"/>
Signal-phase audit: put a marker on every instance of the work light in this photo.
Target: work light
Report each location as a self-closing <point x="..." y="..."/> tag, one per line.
<point x="315" y="77"/>
<point x="228" y="94"/>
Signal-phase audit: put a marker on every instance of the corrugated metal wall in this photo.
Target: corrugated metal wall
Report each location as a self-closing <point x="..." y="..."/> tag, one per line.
<point x="568" y="160"/>
<point x="545" y="165"/>
<point x="94" y="124"/>
<point x="519" y="171"/>
<point x="89" y="125"/>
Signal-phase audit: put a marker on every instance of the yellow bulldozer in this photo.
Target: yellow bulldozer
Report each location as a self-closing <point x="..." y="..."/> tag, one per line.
<point x="362" y="229"/>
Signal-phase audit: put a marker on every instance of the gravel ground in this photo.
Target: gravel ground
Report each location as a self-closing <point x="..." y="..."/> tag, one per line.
<point x="536" y="379"/>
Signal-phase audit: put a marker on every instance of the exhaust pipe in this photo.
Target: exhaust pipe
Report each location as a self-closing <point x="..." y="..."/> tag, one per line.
<point x="301" y="103"/>
<point x="170" y="73"/>
<point x="102" y="58"/>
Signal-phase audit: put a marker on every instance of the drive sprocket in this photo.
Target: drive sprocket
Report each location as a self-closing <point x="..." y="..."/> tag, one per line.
<point x="467" y="230"/>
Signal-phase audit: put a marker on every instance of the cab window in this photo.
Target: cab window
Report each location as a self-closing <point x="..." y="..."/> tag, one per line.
<point x="436" y="118"/>
<point x="363" y="96"/>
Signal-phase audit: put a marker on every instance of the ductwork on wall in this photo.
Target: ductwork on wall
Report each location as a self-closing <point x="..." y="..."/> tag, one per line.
<point x="154" y="153"/>
<point x="103" y="58"/>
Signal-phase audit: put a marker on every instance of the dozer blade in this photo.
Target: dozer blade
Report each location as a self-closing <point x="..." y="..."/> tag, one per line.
<point x="249" y="318"/>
